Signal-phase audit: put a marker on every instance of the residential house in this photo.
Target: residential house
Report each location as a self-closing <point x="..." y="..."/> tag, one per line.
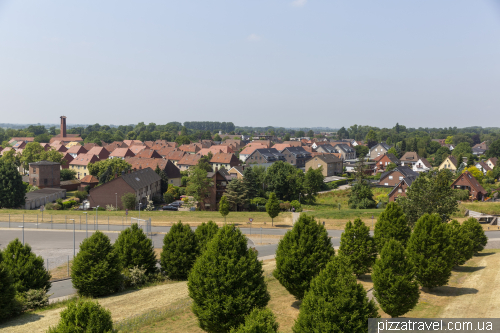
<point x="383" y="161"/>
<point x="164" y="151"/>
<point x="262" y="156"/>
<point x="492" y="162"/>
<point x="483" y="145"/>
<point x="379" y="149"/>
<point x="237" y="171"/>
<point x="466" y="181"/>
<point x="45" y="174"/>
<point x="296" y="156"/>
<point x="89" y="181"/>
<point x="131" y="142"/>
<point x="60" y="148"/>
<point x="393" y="177"/>
<point x="224" y="160"/>
<point x="236" y="143"/>
<point x="175" y="156"/>
<point x="294" y="143"/>
<point x="80" y="164"/>
<point x="90" y="145"/>
<point x="449" y="163"/>
<point x="440" y="141"/>
<point x="121" y="153"/>
<point x="347" y="152"/>
<point x="478" y="151"/>
<point x="148" y="153"/>
<point x="100" y="152"/>
<point x="224" y="148"/>
<point x="220" y="180"/>
<point x="409" y="159"/>
<point x="401" y="188"/>
<point x="248" y="150"/>
<point x="171" y="171"/>
<point x="187" y="161"/>
<point x="116" y="144"/>
<point x="76" y="150"/>
<point x="342" y="142"/>
<point x="143" y="184"/>
<point x="137" y="148"/>
<point x="482" y="166"/>
<point x="422" y="165"/>
<point x="67" y="158"/>
<point x="281" y="146"/>
<point x="206" y="151"/>
<point x="326" y="149"/>
<point x="331" y="164"/>
<point x="16" y="139"/>
<point x="190" y="149"/>
<point x="19" y="145"/>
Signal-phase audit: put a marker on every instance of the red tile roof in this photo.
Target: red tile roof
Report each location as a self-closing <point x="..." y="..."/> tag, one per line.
<point x="148" y="153"/>
<point x="189" y="159"/>
<point x="84" y="159"/>
<point x="121" y="152"/>
<point x="224" y="158"/>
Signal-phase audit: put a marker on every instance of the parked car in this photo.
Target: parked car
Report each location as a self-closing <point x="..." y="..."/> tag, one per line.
<point x="176" y="204"/>
<point x="170" y="207"/>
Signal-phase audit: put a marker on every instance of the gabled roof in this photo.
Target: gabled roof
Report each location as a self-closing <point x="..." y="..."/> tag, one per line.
<point x="410" y="156"/>
<point x="484" y="166"/>
<point x="121" y="152"/>
<point x="117" y="144"/>
<point x="404" y="170"/>
<point x="407" y="180"/>
<point x="383" y="145"/>
<point x="100" y="152"/>
<point x="224" y="158"/>
<point x="90" y="145"/>
<point x="250" y="150"/>
<point x="224" y="148"/>
<point x="271" y="154"/>
<point x="471" y="180"/>
<point x="482" y="145"/>
<point x="84" y="159"/>
<point x="452" y="160"/>
<point x="493" y="160"/>
<point x="281" y="146"/>
<point x="238" y="168"/>
<point x="137" y="148"/>
<point x="327" y="148"/>
<point x="140" y="178"/>
<point x="89" y="179"/>
<point x="426" y="163"/>
<point x="191" y="148"/>
<point x="142" y="163"/>
<point x="205" y="151"/>
<point x="189" y="159"/>
<point x="60" y="148"/>
<point x="44" y="163"/>
<point x="327" y="158"/>
<point x="298" y="152"/>
<point x="132" y="142"/>
<point x="77" y="149"/>
<point x="293" y="143"/>
<point x="175" y="155"/>
<point x="165" y="150"/>
<point x="344" y="147"/>
<point x="148" y="153"/>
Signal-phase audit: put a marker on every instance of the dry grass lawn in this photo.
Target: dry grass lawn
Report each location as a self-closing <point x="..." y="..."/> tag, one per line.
<point x="468" y="294"/>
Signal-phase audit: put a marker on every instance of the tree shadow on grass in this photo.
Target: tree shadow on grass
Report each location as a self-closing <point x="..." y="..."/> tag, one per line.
<point x="468" y="269"/>
<point x="450" y="291"/>
<point x="365" y="278"/>
<point x="283" y="226"/>
<point x="296" y="304"/>
<point x="23" y="319"/>
<point x="483" y="254"/>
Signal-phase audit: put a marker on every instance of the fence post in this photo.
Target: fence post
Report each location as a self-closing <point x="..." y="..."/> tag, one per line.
<point x="51" y="222"/>
<point x="9" y="220"/>
<point x="66" y="220"/>
<point x="108" y="222"/>
<point x="68" y="265"/>
<point x="23" y="221"/>
<point x="80" y="222"/>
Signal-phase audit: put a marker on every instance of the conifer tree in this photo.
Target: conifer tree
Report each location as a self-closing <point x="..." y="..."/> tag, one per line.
<point x="335" y="302"/>
<point x="26" y="269"/>
<point x="392" y="223"/>
<point x="250" y="183"/>
<point x="258" y="321"/>
<point x="96" y="268"/>
<point x="476" y="233"/>
<point x="358" y="247"/>
<point x="302" y="253"/>
<point x="164" y="179"/>
<point x="204" y="234"/>
<point x="84" y="315"/>
<point x="7" y="292"/>
<point x="463" y="246"/>
<point x="430" y="252"/>
<point x="273" y="207"/>
<point x="226" y="282"/>
<point x="236" y="194"/>
<point x="179" y="251"/>
<point x="134" y="248"/>
<point x="396" y="290"/>
<point x="12" y="190"/>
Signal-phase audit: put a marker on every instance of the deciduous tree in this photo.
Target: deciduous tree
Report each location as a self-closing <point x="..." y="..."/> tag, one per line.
<point x="12" y="189"/>
<point x="272" y="207"/>
<point x="7" y="291"/>
<point x="224" y="207"/>
<point x="198" y="185"/>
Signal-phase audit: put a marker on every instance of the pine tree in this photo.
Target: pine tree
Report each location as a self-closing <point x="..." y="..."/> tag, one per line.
<point x="476" y="233"/>
<point x="12" y="190"/>
<point x="236" y="193"/>
<point x="335" y="303"/>
<point x="250" y="183"/>
<point x="302" y="253"/>
<point x="224" y="207"/>
<point x="463" y="245"/>
<point x="272" y="207"/>
<point x="7" y="292"/>
<point x="164" y="179"/>
<point x="258" y="321"/>
<point x="84" y="315"/>
<point x="358" y="247"/>
<point x="96" y="268"/>
<point x="396" y="290"/>
<point x="430" y="251"/>
<point x="205" y="233"/>
<point x="179" y="251"/>
<point x="134" y="248"/>
<point x="392" y="223"/>
<point x="226" y="282"/>
<point x="26" y="269"/>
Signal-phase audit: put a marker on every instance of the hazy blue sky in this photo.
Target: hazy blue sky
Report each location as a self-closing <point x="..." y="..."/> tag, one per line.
<point x="256" y="62"/>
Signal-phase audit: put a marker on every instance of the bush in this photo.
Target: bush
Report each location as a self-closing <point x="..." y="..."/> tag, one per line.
<point x="335" y="302"/>
<point x="57" y="207"/>
<point x="134" y="249"/>
<point x="285" y="206"/>
<point x="68" y="174"/>
<point x="33" y="299"/>
<point x="60" y="202"/>
<point x="69" y="204"/>
<point x="259" y="201"/>
<point x="81" y="195"/>
<point x="135" y="276"/>
<point x="179" y="251"/>
<point x="129" y="201"/>
<point x="302" y="253"/>
<point x="430" y="251"/>
<point x="168" y="197"/>
<point x="26" y="269"/>
<point x="84" y="316"/>
<point x="396" y="290"/>
<point x="461" y="195"/>
<point x="296" y="204"/>
<point x="361" y="196"/>
<point x="476" y="233"/>
<point x="96" y="267"/>
<point x="49" y="206"/>
<point x="226" y="282"/>
<point x="258" y="321"/>
<point x="358" y="247"/>
<point x="7" y="292"/>
<point x="204" y="234"/>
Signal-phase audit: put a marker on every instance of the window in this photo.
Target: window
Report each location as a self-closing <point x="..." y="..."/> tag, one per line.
<point x="45" y="181"/>
<point x="400" y="191"/>
<point x="319" y="165"/>
<point x="386" y="184"/>
<point x="401" y="178"/>
<point x="390" y="177"/>
<point x="34" y="171"/>
<point x="34" y="181"/>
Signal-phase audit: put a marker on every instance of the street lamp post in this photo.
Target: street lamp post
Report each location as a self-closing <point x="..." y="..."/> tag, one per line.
<point x="86" y="225"/>
<point x="74" y="240"/>
<point x="21" y="226"/>
<point x="140" y="204"/>
<point x="96" y="217"/>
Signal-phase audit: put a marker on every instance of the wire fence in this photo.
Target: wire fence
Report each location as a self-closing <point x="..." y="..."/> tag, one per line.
<point x="59" y="267"/>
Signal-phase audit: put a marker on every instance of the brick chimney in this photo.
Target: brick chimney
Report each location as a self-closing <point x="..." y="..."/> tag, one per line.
<point x="63" y="126"/>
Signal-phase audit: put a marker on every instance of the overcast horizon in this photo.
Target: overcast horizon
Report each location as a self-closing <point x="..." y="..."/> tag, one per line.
<point x="292" y="64"/>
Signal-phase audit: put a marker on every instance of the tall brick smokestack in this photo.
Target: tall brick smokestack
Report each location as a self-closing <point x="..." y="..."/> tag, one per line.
<point x="63" y="126"/>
